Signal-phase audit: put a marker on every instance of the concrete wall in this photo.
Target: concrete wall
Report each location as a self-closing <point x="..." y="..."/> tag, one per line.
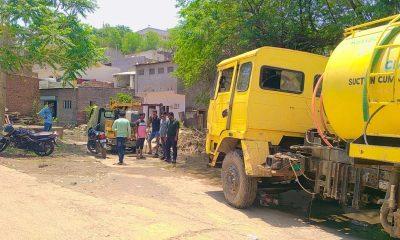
<point x="64" y="116"/>
<point x="21" y="93"/>
<point x="98" y="96"/>
<point x="98" y="72"/>
<point x="80" y="99"/>
<point x="157" y="82"/>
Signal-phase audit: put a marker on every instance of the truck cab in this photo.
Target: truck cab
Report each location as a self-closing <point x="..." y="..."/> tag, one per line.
<point x="261" y="103"/>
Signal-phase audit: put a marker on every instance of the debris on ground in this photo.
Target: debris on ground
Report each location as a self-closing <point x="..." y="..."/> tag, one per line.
<point x="43" y="165"/>
<point x="268" y="200"/>
<point x="17" y="118"/>
<point x="191" y="140"/>
<point x="77" y="134"/>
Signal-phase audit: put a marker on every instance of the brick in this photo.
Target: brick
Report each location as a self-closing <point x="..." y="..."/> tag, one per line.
<point x="21" y="93"/>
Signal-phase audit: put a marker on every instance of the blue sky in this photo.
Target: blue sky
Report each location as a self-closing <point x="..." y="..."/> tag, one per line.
<point x="136" y="14"/>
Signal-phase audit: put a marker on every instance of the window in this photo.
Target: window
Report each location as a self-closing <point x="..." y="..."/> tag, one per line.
<point x="213" y="92"/>
<point x="244" y="77"/>
<point x="140" y="72"/>
<point x="281" y="80"/>
<point x="164" y="109"/>
<point x="92" y="103"/>
<point x="170" y="69"/>
<point x="225" y="80"/>
<point x="316" y="78"/>
<point x="160" y="70"/>
<point x="152" y="71"/>
<point x="67" y="104"/>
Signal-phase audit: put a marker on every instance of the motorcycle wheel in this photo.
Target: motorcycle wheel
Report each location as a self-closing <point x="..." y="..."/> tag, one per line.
<point x="3" y="145"/>
<point x="103" y="152"/>
<point x="91" y="147"/>
<point x="45" y="149"/>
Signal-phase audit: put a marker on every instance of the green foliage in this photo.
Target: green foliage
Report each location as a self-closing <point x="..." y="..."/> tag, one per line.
<point x="124" y="39"/>
<point x="122" y="98"/>
<point x="150" y="41"/>
<point x="47" y="33"/>
<point x="213" y="30"/>
<point x="88" y="110"/>
<point x="132" y="42"/>
<point x="112" y="37"/>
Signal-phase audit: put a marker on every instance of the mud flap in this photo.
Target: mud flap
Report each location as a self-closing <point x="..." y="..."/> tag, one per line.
<point x="255" y="154"/>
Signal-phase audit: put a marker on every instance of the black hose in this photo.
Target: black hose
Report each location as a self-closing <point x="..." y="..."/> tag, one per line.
<point x="369" y="121"/>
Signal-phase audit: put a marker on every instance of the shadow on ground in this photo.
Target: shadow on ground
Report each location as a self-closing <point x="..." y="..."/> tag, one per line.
<point x="61" y="149"/>
<point x="327" y="215"/>
<point x="197" y="165"/>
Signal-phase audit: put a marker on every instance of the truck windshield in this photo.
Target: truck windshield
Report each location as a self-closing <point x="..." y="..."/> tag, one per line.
<point x="109" y="114"/>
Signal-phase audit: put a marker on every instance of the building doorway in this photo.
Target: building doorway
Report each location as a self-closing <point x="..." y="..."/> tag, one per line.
<point x="52" y="105"/>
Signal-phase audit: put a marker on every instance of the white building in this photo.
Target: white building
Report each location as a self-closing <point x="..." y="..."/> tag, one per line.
<point x="164" y="102"/>
<point x="157" y="85"/>
<point x="156" y="77"/>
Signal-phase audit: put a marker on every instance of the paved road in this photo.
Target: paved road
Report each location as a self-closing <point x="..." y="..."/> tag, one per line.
<point x="144" y="200"/>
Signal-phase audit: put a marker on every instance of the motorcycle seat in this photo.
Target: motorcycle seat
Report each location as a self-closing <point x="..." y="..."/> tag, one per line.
<point x="42" y="134"/>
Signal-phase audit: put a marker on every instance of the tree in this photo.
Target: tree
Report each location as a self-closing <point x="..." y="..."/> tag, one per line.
<point x="131" y="43"/>
<point x="122" y="98"/>
<point x="212" y="30"/>
<point x="151" y="40"/>
<point x="112" y="37"/>
<point x="124" y="39"/>
<point x="46" y="33"/>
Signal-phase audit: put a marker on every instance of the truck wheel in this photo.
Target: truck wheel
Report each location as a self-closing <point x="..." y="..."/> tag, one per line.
<point x="240" y="190"/>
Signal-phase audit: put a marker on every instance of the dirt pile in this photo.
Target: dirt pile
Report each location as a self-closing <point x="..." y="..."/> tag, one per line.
<point x="191" y="140"/>
<point x="76" y="134"/>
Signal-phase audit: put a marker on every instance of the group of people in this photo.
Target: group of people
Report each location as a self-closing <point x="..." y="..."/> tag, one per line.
<point x="164" y="130"/>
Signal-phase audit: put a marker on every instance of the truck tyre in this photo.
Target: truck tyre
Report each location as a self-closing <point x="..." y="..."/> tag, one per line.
<point x="240" y="190"/>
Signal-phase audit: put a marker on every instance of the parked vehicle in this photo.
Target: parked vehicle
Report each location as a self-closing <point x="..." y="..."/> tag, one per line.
<point x="273" y="123"/>
<point x="104" y="118"/>
<point x="41" y="143"/>
<point x="97" y="142"/>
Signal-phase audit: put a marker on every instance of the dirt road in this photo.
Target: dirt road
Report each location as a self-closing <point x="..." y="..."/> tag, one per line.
<point x="73" y="196"/>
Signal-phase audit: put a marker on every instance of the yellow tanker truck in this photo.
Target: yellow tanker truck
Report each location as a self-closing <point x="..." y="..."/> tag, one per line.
<point x="280" y="116"/>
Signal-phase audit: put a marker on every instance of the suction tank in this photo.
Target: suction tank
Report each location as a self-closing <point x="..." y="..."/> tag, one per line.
<point x="349" y="101"/>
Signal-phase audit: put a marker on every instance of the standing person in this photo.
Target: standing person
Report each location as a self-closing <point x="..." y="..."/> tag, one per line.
<point x="172" y="138"/>
<point x="140" y="135"/>
<point x="122" y="128"/>
<point x="155" y="133"/>
<point x="47" y="116"/>
<point x="163" y="134"/>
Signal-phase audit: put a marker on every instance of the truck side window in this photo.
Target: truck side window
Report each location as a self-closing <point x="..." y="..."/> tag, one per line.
<point x="213" y="90"/>
<point x="281" y="80"/>
<point x="316" y="78"/>
<point x="225" y="80"/>
<point x="244" y="77"/>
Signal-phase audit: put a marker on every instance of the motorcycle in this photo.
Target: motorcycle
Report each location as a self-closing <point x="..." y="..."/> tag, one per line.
<point x="97" y="142"/>
<point x="42" y="143"/>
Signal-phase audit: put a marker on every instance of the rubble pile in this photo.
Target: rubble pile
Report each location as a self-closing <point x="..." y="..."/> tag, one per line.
<point x="191" y="140"/>
<point x="77" y="134"/>
<point x="17" y="118"/>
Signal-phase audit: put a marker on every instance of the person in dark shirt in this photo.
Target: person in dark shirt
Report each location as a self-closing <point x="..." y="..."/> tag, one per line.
<point x="155" y="133"/>
<point x="172" y="138"/>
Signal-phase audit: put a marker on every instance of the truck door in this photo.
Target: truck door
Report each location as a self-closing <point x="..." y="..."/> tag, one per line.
<point x="223" y="97"/>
